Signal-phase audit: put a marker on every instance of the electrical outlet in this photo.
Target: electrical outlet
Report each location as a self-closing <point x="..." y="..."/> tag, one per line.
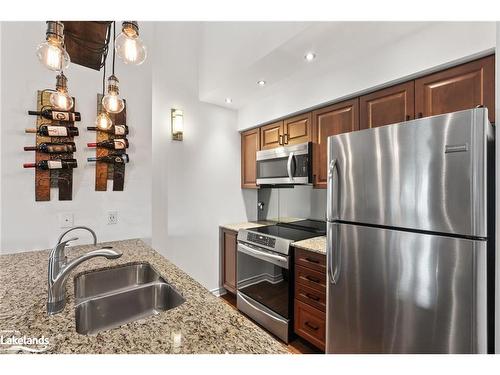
<point x="65" y="220"/>
<point x="112" y="217"/>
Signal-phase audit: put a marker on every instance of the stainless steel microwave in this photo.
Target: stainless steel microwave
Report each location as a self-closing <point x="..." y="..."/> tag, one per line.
<point x="289" y="165"/>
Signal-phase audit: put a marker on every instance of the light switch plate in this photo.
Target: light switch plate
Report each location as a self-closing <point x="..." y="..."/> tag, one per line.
<point x="66" y="220"/>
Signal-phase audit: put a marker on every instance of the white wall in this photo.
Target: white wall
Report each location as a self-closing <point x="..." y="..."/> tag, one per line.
<point x="196" y="182"/>
<point x="420" y="51"/>
<point x="27" y="224"/>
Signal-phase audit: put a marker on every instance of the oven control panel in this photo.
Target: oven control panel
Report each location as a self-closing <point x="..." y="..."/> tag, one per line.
<point x="261" y="240"/>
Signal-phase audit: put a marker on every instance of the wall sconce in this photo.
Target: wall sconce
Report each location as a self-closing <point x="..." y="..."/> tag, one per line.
<point x="177" y="124"/>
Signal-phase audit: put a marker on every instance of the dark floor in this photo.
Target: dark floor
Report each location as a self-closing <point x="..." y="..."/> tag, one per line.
<point x="296" y="346"/>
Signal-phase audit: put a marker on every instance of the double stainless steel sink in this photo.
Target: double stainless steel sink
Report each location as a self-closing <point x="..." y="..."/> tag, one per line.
<point x="106" y="299"/>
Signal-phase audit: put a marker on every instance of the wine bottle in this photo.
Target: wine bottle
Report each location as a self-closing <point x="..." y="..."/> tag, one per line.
<point x="112" y="159"/>
<point x="55" y="131"/>
<point x="115" y="130"/>
<point x="112" y="144"/>
<point x="53" y="148"/>
<point x="57" y="115"/>
<point x="53" y="164"/>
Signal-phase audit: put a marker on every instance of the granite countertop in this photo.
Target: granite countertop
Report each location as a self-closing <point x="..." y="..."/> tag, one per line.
<point x="315" y="244"/>
<point x="202" y="324"/>
<point x="247" y="224"/>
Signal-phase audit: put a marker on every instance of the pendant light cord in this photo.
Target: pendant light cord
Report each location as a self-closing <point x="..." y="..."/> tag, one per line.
<point x="114" y="38"/>
<point x="104" y="78"/>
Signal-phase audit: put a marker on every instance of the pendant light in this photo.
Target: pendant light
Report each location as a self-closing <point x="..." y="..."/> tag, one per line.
<point x="112" y="102"/>
<point x="60" y="99"/>
<point x="129" y="47"/>
<point x="103" y="121"/>
<point x="51" y="52"/>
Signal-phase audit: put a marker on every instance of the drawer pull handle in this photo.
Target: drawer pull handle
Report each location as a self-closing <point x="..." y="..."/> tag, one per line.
<point x="310" y="296"/>
<point x="313" y="279"/>
<point x="312" y="326"/>
<point x="310" y="260"/>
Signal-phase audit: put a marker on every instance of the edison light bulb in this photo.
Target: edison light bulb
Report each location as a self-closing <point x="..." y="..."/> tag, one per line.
<point x="103" y="121"/>
<point x="112" y="102"/>
<point x="51" y="52"/>
<point x="128" y="46"/>
<point x="60" y="99"/>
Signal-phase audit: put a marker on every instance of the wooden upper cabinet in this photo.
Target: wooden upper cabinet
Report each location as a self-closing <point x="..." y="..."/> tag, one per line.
<point x="463" y="87"/>
<point x="250" y="144"/>
<point x="271" y="135"/>
<point x="388" y="106"/>
<point x="335" y="119"/>
<point x="297" y="129"/>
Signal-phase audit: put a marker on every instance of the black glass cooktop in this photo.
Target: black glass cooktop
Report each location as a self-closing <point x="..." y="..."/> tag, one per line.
<point x="308" y="225"/>
<point x="291" y="232"/>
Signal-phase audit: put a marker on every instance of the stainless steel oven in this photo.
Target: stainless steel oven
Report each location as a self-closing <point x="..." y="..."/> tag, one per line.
<point x="263" y="287"/>
<point x="290" y="165"/>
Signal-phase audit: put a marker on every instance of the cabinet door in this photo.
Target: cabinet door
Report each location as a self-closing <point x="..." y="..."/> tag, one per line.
<point x="271" y="135"/>
<point x="297" y="129"/>
<point x="228" y="243"/>
<point x="335" y="119"/>
<point x="388" y="106"/>
<point x="310" y="324"/>
<point x="463" y="87"/>
<point x="250" y="144"/>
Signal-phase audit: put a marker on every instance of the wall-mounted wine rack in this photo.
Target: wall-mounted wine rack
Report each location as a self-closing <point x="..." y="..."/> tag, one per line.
<point x="55" y="178"/>
<point x="114" y="171"/>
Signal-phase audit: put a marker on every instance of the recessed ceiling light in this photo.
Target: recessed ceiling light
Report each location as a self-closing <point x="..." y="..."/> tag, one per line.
<point x="229" y="100"/>
<point x="310" y="56"/>
<point x="261" y="83"/>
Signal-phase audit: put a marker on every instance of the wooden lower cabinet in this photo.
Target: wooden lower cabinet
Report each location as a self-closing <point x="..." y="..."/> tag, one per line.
<point x="228" y="249"/>
<point x="310" y="324"/>
<point x="250" y="144"/>
<point x="309" y="259"/>
<point x="310" y="297"/>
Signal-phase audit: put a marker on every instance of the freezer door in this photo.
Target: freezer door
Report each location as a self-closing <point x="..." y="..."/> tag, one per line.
<point x="429" y="174"/>
<point x="400" y="292"/>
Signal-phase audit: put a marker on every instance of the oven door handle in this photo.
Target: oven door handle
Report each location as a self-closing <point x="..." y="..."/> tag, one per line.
<point x="282" y="261"/>
<point x="255" y="306"/>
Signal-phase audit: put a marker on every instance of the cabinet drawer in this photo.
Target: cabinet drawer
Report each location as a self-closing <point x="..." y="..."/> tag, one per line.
<point x="310" y="324"/>
<point x="311" y="260"/>
<point x="310" y="296"/>
<point x="310" y="278"/>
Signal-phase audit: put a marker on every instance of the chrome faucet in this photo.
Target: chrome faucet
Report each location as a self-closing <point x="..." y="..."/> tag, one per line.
<point x="59" y="268"/>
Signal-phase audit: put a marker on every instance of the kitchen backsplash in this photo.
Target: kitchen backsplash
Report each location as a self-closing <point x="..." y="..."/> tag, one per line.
<point x="297" y="202"/>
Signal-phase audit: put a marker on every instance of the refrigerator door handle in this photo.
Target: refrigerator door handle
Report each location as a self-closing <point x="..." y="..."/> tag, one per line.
<point x="333" y="252"/>
<point x="289" y="166"/>
<point x="331" y="214"/>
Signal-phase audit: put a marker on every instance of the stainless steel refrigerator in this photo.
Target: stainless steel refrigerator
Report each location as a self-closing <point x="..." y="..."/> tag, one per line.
<point x="410" y="237"/>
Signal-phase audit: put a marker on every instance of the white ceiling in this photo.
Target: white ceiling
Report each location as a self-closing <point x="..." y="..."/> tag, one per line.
<point x="233" y="56"/>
